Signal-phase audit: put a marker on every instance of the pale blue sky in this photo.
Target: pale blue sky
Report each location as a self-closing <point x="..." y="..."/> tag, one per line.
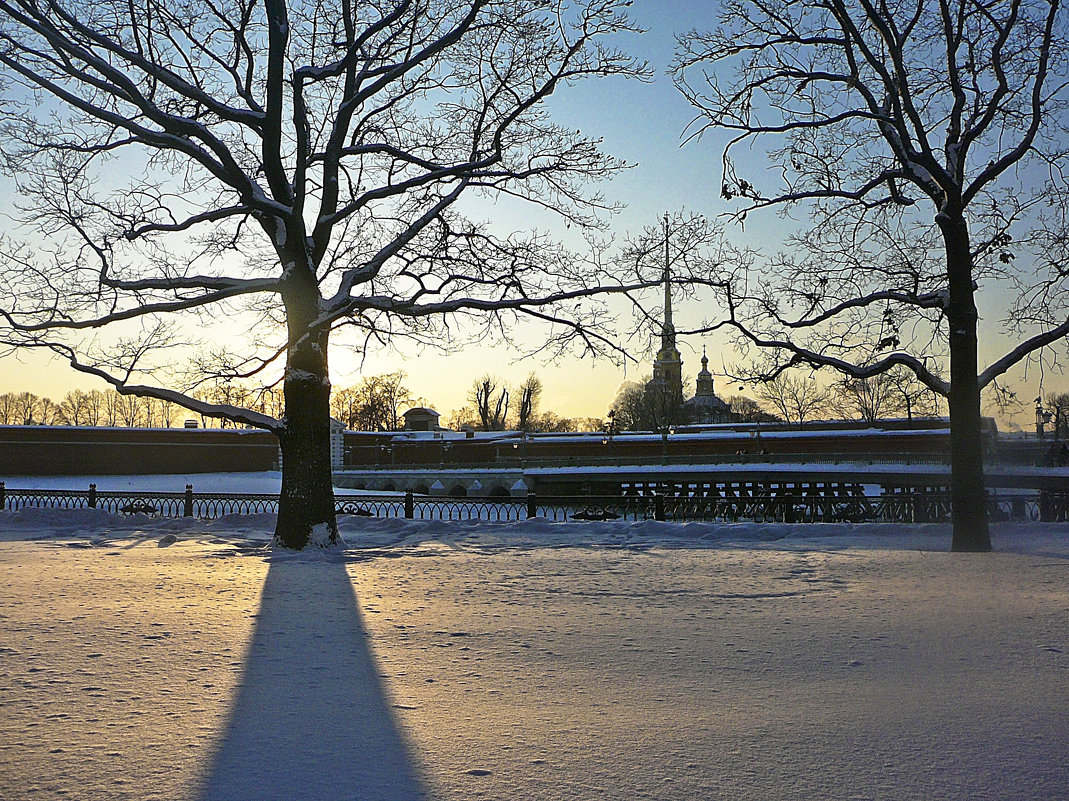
<point x="641" y="123"/>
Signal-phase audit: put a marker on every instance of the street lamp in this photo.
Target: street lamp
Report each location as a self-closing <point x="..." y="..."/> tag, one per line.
<point x="1042" y="418"/>
<point x="610" y="429"/>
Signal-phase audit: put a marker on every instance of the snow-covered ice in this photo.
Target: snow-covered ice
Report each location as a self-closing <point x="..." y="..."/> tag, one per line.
<point x="184" y="659"/>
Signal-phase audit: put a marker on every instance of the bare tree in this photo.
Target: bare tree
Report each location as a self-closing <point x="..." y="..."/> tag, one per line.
<point x="8" y="415"/>
<point x="166" y="410"/>
<point x="1057" y="404"/>
<point x="27" y="408"/>
<point x="345" y="406"/>
<point x="793" y="397"/>
<point x="48" y="412"/>
<point x="892" y="393"/>
<point x="462" y="418"/>
<point x="490" y="399"/>
<point x="111" y="407"/>
<point x="130" y="409"/>
<point x="745" y="409"/>
<point x="394" y="395"/>
<point x="301" y="163"/>
<point x="73" y="408"/>
<point x="912" y="398"/>
<point x="530" y="391"/>
<point x="925" y="138"/>
<point x="94" y="407"/>
<point x="374" y="404"/>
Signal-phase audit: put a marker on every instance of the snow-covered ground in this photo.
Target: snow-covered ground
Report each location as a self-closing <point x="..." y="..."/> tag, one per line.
<point x="183" y="659"/>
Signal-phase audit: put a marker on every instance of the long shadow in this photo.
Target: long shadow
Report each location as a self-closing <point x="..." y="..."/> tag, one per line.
<point x="311" y="719"/>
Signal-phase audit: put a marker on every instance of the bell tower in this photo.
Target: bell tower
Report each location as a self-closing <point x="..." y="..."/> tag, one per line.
<point x="668" y="366"/>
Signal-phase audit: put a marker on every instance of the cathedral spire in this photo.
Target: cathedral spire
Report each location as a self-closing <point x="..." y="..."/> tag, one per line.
<point x="668" y="329"/>
<point x="668" y="366"/>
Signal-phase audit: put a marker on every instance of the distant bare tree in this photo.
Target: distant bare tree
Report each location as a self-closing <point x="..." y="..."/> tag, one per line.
<point x="793" y="397"/>
<point x="747" y="410"/>
<point x="130" y="410"/>
<point x="530" y="391"/>
<point x="912" y="398"/>
<point x="166" y="411"/>
<point x="94" y="407"/>
<point x="462" y="418"/>
<point x="867" y="399"/>
<point x="73" y="408"/>
<point x="1057" y="404"/>
<point x="8" y="415"/>
<point x="374" y="404"/>
<point x="27" y="407"/>
<point x="301" y="162"/>
<point x="48" y="412"/>
<point x="111" y="407"/>
<point x="345" y="406"/>
<point x="490" y="398"/>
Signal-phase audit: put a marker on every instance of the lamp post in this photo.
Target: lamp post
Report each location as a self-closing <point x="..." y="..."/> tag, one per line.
<point x="1042" y="418"/>
<point x="610" y="429"/>
<point x="755" y="435"/>
<point x="664" y="442"/>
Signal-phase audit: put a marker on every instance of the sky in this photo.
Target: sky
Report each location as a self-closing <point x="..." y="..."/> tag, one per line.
<point x="641" y="123"/>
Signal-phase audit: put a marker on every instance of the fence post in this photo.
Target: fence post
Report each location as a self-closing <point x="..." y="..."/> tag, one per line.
<point x="410" y="507"/>
<point x="3" y="495"/>
<point x="92" y="496"/>
<point x="788" y="508"/>
<point x="532" y="505"/>
<point x="658" y="506"/>
<point x="1046" y="507"/>
<point x="188" y="510"/>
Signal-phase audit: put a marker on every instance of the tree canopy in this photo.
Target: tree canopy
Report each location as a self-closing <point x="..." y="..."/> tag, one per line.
<point x="928" y="142"/>
<point x="296" y="166"/>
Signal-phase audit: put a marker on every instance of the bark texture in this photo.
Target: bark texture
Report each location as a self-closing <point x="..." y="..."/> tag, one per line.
<point x="306" y="504"/>
<point x="968" y="495"/>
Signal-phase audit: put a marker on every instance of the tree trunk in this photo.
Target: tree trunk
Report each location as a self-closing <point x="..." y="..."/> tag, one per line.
<point x="968" y="496"/>
<point x="306" y="504"/>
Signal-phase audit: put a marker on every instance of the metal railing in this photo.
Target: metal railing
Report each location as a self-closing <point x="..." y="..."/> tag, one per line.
<point x="788" y="505"/>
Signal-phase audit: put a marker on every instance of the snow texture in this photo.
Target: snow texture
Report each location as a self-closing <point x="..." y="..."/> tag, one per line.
<point x="184" y="659"/>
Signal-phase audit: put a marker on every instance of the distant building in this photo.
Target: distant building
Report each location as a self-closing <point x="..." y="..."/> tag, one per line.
<point x="667" y="381"/>
<point x="420" y="418"/>
<point x="705" y="406"/>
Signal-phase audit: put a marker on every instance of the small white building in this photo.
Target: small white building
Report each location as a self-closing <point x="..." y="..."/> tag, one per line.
<point x="420" y="418"/>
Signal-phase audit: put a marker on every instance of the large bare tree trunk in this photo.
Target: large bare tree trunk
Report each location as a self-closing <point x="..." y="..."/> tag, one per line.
<point x="968" y="497"/>
<point x="306" y="505"/>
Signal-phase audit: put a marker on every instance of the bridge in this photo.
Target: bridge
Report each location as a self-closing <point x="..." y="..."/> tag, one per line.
<point x="562" y="478"/>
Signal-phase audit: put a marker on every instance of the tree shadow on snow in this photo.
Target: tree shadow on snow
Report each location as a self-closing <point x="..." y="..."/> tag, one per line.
<point x="311" y="719"/>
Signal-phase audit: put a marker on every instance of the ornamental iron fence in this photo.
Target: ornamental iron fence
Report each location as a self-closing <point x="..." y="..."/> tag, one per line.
<point x="733" y="503"/>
